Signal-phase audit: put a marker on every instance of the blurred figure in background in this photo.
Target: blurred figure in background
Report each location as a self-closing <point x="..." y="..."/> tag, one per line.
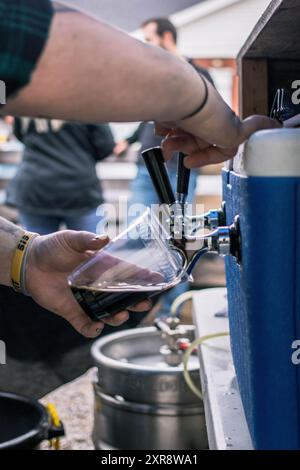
<point x="56" y="184"/>
<point x="162" y="33"/>
<point x="51" y="187"/>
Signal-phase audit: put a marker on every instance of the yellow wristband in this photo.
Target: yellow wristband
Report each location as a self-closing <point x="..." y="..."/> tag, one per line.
<point x="17" y="266"/>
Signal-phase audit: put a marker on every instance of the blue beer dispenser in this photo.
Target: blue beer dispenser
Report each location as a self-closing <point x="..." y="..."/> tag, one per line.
<point x="263" y="190"/>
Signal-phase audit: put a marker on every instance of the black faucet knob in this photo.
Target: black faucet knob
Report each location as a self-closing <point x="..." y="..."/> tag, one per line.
<point x="156" y="167"/>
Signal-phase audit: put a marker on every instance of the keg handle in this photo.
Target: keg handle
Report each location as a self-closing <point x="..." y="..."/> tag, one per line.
<point x="176" y="337"/>
<point x="183" y="179"/>
<point x="157" y="170"/>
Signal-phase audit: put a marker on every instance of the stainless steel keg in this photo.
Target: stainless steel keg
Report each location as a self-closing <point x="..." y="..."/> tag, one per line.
<point x="141" y="402"/>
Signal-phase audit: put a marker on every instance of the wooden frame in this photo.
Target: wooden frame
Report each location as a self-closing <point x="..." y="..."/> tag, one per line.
<point x="270" y="58"/>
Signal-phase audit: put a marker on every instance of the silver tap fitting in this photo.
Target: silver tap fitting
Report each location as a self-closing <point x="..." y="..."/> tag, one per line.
<point x="220" y="241"/>
<point x="226" y="240"/>
<point x="215" y="218"/>
<point x="212" y="219"/>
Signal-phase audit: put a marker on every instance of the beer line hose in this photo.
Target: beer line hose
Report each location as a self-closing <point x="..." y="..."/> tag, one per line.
<point x="181" y="299"/>
<point x="186" y="374"/>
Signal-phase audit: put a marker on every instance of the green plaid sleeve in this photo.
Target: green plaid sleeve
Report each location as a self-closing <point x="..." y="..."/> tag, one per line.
<point x="24" y="28"/>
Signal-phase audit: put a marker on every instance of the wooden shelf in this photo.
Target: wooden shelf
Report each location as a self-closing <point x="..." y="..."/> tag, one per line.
<point x="270" y="58"/>
<point x="277" y="33"/>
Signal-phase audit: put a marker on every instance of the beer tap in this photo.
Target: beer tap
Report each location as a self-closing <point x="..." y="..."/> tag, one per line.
<point x="183" y="179"/>
<point x="223" y="240"/>
<point x="157" y="170"/>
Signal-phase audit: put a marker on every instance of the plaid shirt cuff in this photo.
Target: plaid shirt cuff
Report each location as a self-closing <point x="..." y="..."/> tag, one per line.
<point x="24" y="28"/>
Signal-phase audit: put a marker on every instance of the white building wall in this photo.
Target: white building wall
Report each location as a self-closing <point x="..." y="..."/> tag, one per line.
<point x="221" y="33"/>
<point x="222" y="78"/>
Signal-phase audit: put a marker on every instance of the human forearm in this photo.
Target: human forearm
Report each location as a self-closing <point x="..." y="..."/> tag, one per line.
<point x="10" y="234"/>
<point x="90" y="71"/>
<point x="217" y="124"/>
<point x="212" y="135"/>
<point x="49" y="261"/>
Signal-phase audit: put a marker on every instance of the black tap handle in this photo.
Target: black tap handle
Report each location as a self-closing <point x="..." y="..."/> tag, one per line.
<point x="183" y="176"/>
<point x="156" y="167"/>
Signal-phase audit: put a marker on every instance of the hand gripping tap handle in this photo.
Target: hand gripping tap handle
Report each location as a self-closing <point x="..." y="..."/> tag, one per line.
<point x="156" y="167"/>
<point x="183" y="179"/>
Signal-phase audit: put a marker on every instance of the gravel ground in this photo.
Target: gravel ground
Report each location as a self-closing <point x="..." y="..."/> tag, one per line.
<point x="75" y="405"/>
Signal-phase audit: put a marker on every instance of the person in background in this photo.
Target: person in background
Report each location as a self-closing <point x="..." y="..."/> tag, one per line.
<point x="162" y="33"/>
<point x="159" y="32"/>
<point x="56" y="183"/>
